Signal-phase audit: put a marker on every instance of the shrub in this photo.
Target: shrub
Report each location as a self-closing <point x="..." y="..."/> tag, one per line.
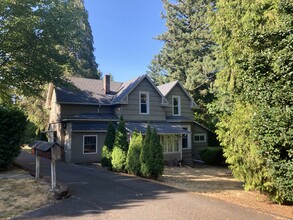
<point x="132" y="161"/>
<point x="157" y="166"/>
<point x="118" y="159"/>
<point x="106" y="157"/>
<point x="152" y="160"/>
<point x="12" y="127"/>
<point x="120" y="147"/>
<point x="212" y="155"/>
<point x="145" y="156"/>
<point x="108" y="146"/>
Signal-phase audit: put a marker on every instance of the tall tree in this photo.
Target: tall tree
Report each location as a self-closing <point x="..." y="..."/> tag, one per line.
<point x="187" y="53"/>
<point x="254" y="92"/>
<point x="41" y="42"/>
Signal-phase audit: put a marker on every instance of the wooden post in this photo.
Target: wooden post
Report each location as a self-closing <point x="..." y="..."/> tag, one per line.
<point x="37" y="165"/>
<point x="53" y="174"/>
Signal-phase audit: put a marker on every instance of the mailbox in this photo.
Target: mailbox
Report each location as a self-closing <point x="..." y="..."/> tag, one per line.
<point x="49" y="150"/>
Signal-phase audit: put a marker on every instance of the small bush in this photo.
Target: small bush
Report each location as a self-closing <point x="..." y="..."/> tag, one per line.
<point x="212" y="155"/>
<point x="132" y="161"/>
<point x="118" y="159"/>
<point x="106" y="157"/>
<point x="12" y="127"/>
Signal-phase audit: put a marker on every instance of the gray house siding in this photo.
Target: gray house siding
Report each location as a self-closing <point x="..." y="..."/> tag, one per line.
<point x="185" y="102"/>
<point x="76" y="151"/>
<point x="130" y="111"/>
<point x="197" y="146"/>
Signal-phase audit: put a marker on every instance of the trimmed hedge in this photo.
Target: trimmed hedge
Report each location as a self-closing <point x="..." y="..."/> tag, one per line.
<point x="212" y="155"/>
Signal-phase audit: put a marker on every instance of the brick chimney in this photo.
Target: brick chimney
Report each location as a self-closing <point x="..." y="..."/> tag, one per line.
<point x="107" y="84"/>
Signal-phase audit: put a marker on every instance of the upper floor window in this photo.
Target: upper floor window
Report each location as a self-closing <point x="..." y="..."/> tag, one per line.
<point x="176" y="105"/>
<point x="144" y="106"/>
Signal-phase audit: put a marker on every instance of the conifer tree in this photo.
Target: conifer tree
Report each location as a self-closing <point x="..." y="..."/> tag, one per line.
<point x="156" y="150"/>
<point x="145" y="156"/>
<point x="108" y="146"/>
<point x="120" y="149"/>
<point x="133" y="161"/>
<point x="187" y="53"/>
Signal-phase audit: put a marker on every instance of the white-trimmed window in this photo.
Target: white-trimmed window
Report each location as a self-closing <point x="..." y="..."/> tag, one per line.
<point x="176" y="105"/>
<point x="198" y="138"/>
<point x="144" y="102"/>
<point x="169" y="143"/>
<point x="90" y="144"/>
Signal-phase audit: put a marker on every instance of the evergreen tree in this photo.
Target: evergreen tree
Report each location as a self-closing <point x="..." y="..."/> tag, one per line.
<point x="133" y="161"/>
<point x="120" y="147"/>
<point x="156" y="150"/>
<point x="187" y="53"/>
<point x="108" y="146"/>
<point x="146" y="156"/>
<point x="254" y="92"/>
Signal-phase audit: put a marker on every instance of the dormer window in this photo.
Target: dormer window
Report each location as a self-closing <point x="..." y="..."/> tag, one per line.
<point x="176" y="105"/>
<point x="144" y="107"/>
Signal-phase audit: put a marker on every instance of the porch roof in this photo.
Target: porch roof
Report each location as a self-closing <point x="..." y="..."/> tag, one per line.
<point x="90" y="127"/>
<point x="161" y="127"/>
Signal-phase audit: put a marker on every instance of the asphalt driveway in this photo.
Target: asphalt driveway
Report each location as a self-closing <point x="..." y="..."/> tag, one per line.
<point x="100" y="194"/>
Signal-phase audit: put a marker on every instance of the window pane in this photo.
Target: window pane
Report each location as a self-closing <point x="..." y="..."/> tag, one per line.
<point x="90" y="144"/>
<point x="143" y="108"/>
<point x="176" y="112"/>
<point x="143" y="98"/>
<point x="175" y="101"/>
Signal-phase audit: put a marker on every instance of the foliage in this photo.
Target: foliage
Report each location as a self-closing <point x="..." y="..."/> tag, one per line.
<point x="151" y="158"/>
<point x="157" y="166"/>
<point x="119" y="159"/>
<point x="39" y="41"/>
<point x="188" y="52"/>
<point x="254" y="92"/>
<point x="110" y="136"/>
<point x="106" y="157"/>
<point x="212" y="155"/>
<point x="119" y="153"/>
<point x="121" y="137"/>
<point x="12" y="126"/>
<point x="132" y="161"/>
<point x="108" y="146"/>
<point x="145" y="156"/>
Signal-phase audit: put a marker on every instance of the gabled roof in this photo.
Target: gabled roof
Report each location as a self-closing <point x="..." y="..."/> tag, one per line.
<point x="167" y="88"/>
<point x="130" y="85"/>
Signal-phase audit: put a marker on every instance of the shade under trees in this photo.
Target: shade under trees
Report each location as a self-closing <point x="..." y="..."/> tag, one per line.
<point x="254" y="92"/>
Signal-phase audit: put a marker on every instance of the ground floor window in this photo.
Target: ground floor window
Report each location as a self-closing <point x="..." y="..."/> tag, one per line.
<point x="170" y="143"/>
<point x="90" y="144"/>
<point x="199" y="138"/>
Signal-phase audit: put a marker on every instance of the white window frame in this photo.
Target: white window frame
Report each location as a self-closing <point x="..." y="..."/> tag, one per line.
<point x="84" y="143"/>
<point x="200" y="134"/>
<point x="179" y="105"/>
<point x="188" y="128"/>
<point x="147" y="103"/>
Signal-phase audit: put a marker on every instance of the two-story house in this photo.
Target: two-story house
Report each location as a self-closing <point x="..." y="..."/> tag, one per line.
<point x="79" y="116"/>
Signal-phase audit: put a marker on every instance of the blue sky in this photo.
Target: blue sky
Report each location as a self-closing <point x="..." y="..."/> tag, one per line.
<point x="123" y="34"/>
